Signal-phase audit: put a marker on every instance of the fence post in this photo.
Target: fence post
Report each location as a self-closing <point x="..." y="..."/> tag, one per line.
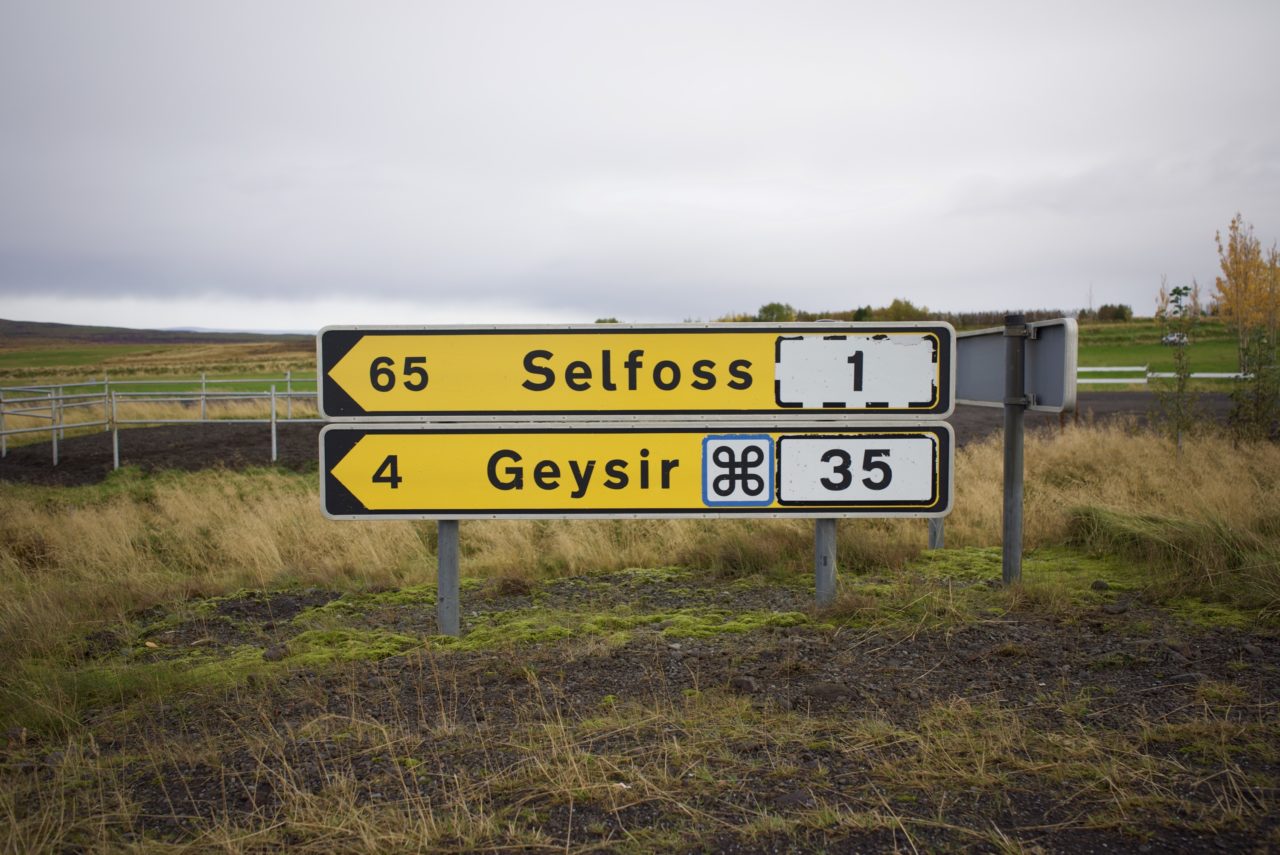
<point x="824" y="560"/>
<point x="115" y="436"/>
<point x="53" y="425"/>
<point x="1015" y="405"/>
<point x="4" y="437"/>
<point x="273" y="424"/>
<point x="106" y="404"/>
<point x="62" y="430"/>
<point x="288" y="392"/>
<point x="203" y="398"/>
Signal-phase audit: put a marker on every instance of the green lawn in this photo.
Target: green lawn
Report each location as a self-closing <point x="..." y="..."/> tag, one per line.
<point x="44" y="357"/>
<point x="1212" y="348"/>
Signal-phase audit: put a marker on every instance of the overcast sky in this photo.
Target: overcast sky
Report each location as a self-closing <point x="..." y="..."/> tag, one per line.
<point x="285" y="165"/>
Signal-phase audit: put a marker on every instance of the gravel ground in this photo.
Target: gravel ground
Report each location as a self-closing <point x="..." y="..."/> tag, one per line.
<point x="951" y="731"/>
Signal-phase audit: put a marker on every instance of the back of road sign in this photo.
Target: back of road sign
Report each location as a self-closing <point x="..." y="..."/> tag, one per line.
<point x="1050" y="366"/>
<point x="600" y="372"/>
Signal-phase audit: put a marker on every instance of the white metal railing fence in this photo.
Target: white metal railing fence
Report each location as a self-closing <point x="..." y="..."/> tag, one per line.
<point x="50" y="404"/>
<point x="1145" y="374"/>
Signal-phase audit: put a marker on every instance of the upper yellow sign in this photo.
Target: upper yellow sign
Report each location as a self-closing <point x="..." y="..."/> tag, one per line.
<point x="600" y="370"/>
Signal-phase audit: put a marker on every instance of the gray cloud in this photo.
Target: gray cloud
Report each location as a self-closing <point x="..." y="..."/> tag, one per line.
<point x="654" y="161"/>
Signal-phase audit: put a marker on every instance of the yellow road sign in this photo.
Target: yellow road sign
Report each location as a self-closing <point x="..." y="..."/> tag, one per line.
<point x="419" y="472"/>
<point x="617" y="370"/>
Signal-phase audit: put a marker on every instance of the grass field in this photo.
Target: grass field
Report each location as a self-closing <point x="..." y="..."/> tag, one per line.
<point x="74" y="362"/>
<point x="200" y="662"/>
<point x="1101" y="344"/>
<point x="1138" y="343"/>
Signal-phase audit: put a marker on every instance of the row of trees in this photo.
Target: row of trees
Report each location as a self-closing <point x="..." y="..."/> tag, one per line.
<point x="899" y="310"/>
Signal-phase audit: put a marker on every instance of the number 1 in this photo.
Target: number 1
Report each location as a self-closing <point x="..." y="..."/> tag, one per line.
<point x="856" y="362"/>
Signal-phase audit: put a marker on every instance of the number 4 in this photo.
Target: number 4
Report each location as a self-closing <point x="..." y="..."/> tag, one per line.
<point x="387" y="473"/>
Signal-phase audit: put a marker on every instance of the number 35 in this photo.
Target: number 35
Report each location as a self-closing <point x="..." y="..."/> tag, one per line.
<point x="842" y="469"/>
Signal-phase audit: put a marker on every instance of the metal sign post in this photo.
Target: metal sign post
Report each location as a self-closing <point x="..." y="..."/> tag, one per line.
<point x="1020" y="366"/>
<point x="824" y="560"/>
<point x="1015" y="404"/>
<point x="937" y="533"/>
<point x="448" y="584"/>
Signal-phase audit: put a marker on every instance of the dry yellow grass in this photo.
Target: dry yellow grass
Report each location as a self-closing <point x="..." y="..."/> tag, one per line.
<point x="1121" y="469"/>
<point x="80" y="556"/>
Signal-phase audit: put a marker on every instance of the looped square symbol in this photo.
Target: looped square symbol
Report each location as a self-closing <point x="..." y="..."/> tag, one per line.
<point x="737" y="470"/>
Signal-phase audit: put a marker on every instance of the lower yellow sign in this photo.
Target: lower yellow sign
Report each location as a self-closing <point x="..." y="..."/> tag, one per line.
<point x="419" y="472"/>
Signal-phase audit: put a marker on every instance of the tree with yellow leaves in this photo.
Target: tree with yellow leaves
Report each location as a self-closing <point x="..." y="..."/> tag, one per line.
<point x="1248" y="297"/>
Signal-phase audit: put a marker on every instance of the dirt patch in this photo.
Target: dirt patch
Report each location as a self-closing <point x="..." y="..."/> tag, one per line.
<point x="87" y="459"/>
<point x="662" y="719"/>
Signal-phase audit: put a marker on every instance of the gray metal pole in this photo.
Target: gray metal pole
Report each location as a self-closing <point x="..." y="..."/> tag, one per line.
<point x="288" y="391"/>
<point x="274" y="444"/>
<point x="4" y="437"/>
<point x="106" y="404"/>
<point x="824" y="560"/>
<point x="204" y="385"/>
<point x="447" y="584"/>
<point x="937" y="534"/>
<point x="53" y="425"/>
<point x="1015" y="405"/>
<point x="115" y="435"/>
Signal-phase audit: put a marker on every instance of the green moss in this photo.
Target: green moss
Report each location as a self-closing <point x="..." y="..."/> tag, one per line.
<point x="1075" y="568"/>
<point x="534" y="626"/>
<point x="968" y="563"/>
<point x="512" y="630"/>
<point x="879" y="590"/>
<point x="1209" y="614"/>
<point x="707" y="623"/>
<point x="48" y="698"/>
<point x="646" y="575"/>
<point x="322" y="646"/>
<point x="947" y="587"/>
<point x="362" y="603"/>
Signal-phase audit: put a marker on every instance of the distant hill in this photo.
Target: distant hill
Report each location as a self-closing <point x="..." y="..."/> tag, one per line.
<point x="26" y="333"/>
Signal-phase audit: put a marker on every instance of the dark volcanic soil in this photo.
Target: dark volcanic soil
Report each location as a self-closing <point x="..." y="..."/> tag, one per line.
<point x="1115" y="729"/>
<point x="87" y="459"/>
